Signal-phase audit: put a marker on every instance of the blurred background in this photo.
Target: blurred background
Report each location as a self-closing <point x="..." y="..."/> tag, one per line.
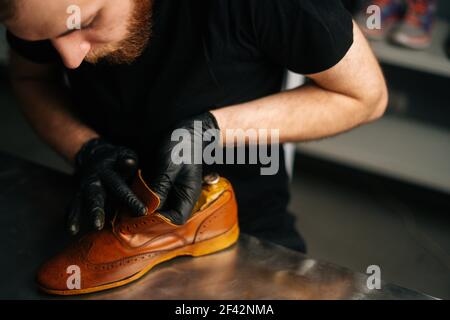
<point x="379" y="195"/>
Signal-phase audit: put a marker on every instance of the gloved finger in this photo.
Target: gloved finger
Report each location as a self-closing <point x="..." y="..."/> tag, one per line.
<point x="127" y="163"/>
<point x="73" y="214"/>
<point x="185" y="194"/>
<point x="163" y="182"/>
<point x="122" y="192"/>
<point x="94" y="199"/>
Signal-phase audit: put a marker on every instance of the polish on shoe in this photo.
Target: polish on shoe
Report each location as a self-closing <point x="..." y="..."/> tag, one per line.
<point x="131" y="246"/>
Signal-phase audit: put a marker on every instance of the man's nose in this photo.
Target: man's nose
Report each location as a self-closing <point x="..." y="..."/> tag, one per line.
<point x="72" y="50"/>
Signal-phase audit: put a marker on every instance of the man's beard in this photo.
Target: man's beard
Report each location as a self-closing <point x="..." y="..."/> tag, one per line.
<point x="138" y="34"/>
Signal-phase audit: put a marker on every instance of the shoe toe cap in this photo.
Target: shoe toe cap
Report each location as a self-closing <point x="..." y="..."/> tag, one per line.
<point x="60" y="273"/>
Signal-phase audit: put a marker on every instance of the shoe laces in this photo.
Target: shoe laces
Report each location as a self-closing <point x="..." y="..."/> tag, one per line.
<point x="419" y="11"/>
<point x="382" y="3"/>
<point x="389" y="8"/>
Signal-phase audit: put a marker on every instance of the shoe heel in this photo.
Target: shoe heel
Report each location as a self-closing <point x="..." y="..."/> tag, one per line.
<point x="216" y="244"/>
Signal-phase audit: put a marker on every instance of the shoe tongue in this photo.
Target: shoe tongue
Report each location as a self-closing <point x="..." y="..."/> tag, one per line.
<point x="145" y="194"/>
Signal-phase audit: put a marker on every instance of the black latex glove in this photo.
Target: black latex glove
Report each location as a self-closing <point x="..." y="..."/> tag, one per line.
<point x="179" y="185"/>
<point x="104" y="171"/>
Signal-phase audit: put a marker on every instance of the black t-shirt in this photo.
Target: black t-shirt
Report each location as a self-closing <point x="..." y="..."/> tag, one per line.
<point x="203" y="55"/>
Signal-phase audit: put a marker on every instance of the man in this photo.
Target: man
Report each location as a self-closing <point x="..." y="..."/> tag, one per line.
<point x="110" y="93"/>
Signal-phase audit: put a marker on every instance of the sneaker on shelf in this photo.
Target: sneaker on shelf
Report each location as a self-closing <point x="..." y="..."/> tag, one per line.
<point x="415" y="32"/>
<point x="391" y="11"/>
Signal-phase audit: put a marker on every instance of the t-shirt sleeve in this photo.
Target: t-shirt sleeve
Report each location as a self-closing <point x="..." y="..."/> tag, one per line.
<point x="305" y="36"/>
<point x="41" y="52"/>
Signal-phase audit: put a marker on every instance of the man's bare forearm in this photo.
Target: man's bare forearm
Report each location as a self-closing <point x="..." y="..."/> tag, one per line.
<point x="48" y="113"/>
<point x="303" y="114"/>
<point x="349" y="94"/>
<point x="46" y="105"/>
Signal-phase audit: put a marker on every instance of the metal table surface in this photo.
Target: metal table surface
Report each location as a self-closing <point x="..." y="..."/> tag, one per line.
<point x="32" y="202"/>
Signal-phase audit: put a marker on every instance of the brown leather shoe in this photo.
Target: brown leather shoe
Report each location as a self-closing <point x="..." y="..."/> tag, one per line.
<point x="130" y="247"/>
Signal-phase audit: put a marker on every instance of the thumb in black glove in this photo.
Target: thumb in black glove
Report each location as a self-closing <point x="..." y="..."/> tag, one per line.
<point x="178" y="176"/>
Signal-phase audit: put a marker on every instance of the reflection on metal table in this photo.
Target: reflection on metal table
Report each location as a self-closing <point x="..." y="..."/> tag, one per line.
<point x="32" y="203"/>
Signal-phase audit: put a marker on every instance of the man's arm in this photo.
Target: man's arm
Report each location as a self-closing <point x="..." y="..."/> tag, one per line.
<point x="103" y="168"/>
<point x="349" y="94"/>
<point x="45" y="103"/>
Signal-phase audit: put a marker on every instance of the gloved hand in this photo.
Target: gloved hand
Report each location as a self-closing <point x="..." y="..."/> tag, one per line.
<point x="178" y="177"/>
<point x="104" y="170"/>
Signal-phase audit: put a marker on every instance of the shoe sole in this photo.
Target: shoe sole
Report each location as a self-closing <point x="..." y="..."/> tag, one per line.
<point x="412" y="43"/>
<point x="198" y="249"/>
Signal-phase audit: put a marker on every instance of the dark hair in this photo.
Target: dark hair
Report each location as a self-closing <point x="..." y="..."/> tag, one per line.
<point x="6" y="9"/>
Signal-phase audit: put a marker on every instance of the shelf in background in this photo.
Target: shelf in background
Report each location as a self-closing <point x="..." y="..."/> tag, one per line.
<point x="433" y="60"/>
<point x="400" y="148"/>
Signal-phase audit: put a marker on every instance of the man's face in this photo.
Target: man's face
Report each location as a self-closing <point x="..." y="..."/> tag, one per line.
<point x="113" y="30"/>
